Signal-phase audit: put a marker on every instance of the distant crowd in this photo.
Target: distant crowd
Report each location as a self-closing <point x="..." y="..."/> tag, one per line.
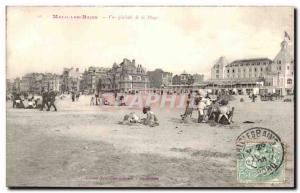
<point x="28" y="101"/>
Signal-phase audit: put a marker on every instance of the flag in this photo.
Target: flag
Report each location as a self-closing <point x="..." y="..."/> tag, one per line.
<point x="286" y="35"/>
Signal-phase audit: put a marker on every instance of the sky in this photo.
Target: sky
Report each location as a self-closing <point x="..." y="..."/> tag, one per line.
<point x="172" y="38"/>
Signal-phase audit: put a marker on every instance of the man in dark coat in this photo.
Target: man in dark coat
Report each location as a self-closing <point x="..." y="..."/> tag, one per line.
<point x="51" y="100"/>
<point x="73" y="96"/>
<point x="44" y="99"/>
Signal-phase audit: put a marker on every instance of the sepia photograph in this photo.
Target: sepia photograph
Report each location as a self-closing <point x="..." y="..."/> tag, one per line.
<point x="150" y="97"/>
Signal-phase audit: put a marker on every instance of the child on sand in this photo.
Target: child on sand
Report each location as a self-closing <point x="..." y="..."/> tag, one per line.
<point x="151" y="118"/>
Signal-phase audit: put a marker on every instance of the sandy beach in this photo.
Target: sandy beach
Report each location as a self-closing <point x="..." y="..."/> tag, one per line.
<point x="83" y="145"/>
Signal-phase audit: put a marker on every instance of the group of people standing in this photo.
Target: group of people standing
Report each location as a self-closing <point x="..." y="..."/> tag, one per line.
<point x="25" y="101"/>
<point x="217" y="110"/>
<point x="75" y="96"/>
<point x="48" y="100"/>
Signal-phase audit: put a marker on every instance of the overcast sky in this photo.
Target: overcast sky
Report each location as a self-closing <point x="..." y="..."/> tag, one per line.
<point x="180" y="38"/>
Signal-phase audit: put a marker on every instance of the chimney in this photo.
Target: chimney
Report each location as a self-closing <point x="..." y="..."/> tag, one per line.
<point x="133" y="61"/>
<point x="77" y="69"/>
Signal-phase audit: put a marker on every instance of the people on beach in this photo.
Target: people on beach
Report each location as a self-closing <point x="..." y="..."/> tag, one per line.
<point x="44" y="100"/>
<point x="73" y="96"/>
<point x="77" y="96"/>
<point x="208" y="109"/>
<point x="51" y="100"/>
<point x="131" y="118"/>
<point x="92" y="101"/>
<point x="188" y="108"/>
<point x="151" y="119"/>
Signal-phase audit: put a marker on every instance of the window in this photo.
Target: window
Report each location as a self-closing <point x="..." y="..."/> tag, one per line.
<point x="287" y="67"/>
<point x="217" y="71"/>
<point x="255" y="69"/>
<point x="233" y="70"/>
<point x="279" y="67"/>
<point x="279" y="62"/>
<point x="261" y="69"/>
<point x="227" y="71"/>
<point x="289" y="81"/>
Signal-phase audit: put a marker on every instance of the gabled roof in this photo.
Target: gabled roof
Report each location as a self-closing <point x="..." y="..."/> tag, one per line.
<point x="221" y="61"/>
<point x="284" y="53"/>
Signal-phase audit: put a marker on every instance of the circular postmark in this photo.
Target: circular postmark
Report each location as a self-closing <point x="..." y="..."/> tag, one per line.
<point x="260" y="155"/>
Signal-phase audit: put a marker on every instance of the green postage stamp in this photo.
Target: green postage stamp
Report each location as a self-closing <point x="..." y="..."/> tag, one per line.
<point x="260" y="156"/>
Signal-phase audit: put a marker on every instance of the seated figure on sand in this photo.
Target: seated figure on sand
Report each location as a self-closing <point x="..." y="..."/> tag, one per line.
<point x="151" y="119"/>
<point x="131" y="118"/>
<point x="225" y="113"/>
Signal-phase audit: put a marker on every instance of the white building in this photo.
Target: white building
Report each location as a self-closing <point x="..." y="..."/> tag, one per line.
<point x="281" y="76"/>
<point x="272" y="76"/>
<point x="218" y="70"/>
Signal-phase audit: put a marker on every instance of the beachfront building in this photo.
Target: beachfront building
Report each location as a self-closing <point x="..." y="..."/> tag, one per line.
<point x="198" y="78"/>
<point x="16" y="84"/>
<point x="70" y="80"/>
<point x="91" y="78"/>
<point x="37" y="82"/>
<point x="256" y="75"/>
<point x="125" y="77"/>
<point x="183" y="79"/>
<point x="280" y="79"/>
<point x="159" y="78"/>
<point x="9" y="85"/>
<point x="51" y="81"/>
<point x="248" y="69"/>
<point x="218" y="69"/>
<point x="31" y="83"/>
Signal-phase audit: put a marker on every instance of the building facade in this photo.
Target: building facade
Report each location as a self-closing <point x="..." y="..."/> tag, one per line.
<point x="16" y="84"/>
<point x="281" y="75"/>
<point x="159" y="78"/>
<point x="263" y="74"/>
<point x="31" y="83"/>
<point x="91" y="78"/>
<point x="37" y="82"/>
<point x="218" y="69"/>
<point x="198" y="78"/>
<point x="248" y="68"/>
<point x="124" y="77"/>
<point x="70" y="80"/>
<point x="183" y="79"/>
<point x="51" y="81"/>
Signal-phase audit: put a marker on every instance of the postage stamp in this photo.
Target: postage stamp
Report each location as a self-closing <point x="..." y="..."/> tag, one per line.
<point x="260" y="156"/>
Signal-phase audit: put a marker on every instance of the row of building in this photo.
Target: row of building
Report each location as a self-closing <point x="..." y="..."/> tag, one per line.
<point x="243" y="76"/>
<point x="261" y="74"/>
<point x="124" y="77"/>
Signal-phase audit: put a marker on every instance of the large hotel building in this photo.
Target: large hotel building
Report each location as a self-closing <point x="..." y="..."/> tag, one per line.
<point x="256" y="75"/>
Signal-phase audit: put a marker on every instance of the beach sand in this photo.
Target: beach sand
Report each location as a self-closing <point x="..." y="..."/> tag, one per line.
<point x="85" y="146"/>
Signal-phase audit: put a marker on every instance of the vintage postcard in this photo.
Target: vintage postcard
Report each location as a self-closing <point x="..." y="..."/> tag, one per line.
<point x="129" y="96"/>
